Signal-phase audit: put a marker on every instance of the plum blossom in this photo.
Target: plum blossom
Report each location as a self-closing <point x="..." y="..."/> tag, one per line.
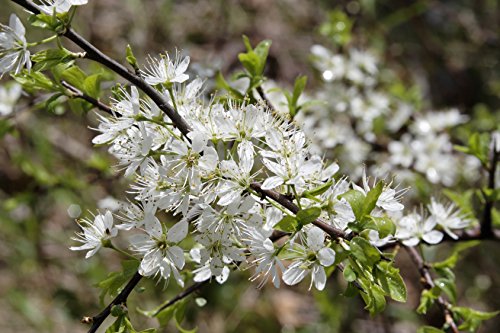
<point x="95" y="233"/>
<point x="8" y="98"/>
<point x="313" y="258"/>
<point x="59" y="6"/>
<point x="161" y="255"/>
<point x="448" y="217"/>
<point x="14" y="53"/>
<point x="415" y="227"/>
<point x="165" y="70"/>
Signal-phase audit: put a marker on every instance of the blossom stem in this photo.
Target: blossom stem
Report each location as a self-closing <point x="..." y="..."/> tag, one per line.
<point x="43" y="41"/>
<point x="110" y="245"/>
<point x="297" y="198"/>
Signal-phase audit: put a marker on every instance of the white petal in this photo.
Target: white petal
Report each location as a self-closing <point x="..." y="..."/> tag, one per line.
<point x="326" y="256"/>
<point x="433" y="237"/>
<point x="293" y="275"/>
<point x="177" y="256"/>
<point x="315" y="238"/>
<point x="178" y="232"/>
<point x="319" y="277"/>
<point x="198" y="141"/>
<point x="272" y="182"/>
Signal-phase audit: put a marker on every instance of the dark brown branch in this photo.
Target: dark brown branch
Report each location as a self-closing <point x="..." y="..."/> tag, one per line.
<point x="428" y="283"/>
<point x="97" y="320"/>
<point x="262" y="95"/>
<point x="76" y="93"/>
<point x="288" y="204"/>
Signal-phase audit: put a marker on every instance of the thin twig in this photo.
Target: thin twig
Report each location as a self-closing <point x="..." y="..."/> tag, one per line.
<point x="185" y="293"/>
<point x="262" y="95"/>
<point x="288" y="204"/>
<point x="76" y="93"/>
<point x="428" y="283"/>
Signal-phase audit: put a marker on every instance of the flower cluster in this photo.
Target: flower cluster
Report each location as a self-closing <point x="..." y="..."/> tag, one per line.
<point x="358" y="120"/>
<point x="207" y="176"/>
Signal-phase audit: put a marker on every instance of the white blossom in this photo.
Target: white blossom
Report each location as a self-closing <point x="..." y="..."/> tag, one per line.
<point x="448" y="217"/>
<point x="415" y="227"/>
<point x="14" y="55"/>
<point x="165" y="70"/>
<point x="312" y="260"/>
<point x="59" y="6"/>
<point x="95" y="233"/>
<point x="9" y="95"/>
<point x="161" y="255"/>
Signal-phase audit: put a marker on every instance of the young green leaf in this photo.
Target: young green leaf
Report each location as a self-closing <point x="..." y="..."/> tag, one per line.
<point x="390" y="280"/>
<point x="308" y="215"/>
<point x="287" y="224"/>
<point x="364" y="252"/>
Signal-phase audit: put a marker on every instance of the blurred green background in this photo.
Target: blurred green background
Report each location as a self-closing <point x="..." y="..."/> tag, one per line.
<point x="450" y="49"/>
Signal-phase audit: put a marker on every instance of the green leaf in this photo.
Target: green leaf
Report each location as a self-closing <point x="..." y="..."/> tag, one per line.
<point x="356" y="200"/>
<point x="49" y="58"/>
<point x="472" y="318"/>
<point x="131" y="59"/>
<point x="287" y="224"/>
<point x="254" y="60"/>
<point x="373" y="296"/>
<point x="115" y="280"/>
<point x="448" y="286"/>
<point x="364" y="252"/>
<point x="298" y="88"/>
<point x="74" y="76"/>
<point x="318" y="190"/>
<point x="451" y="261"/>
<point x="222" y="83"/>
<point x="92" y="85"/>
<point x="384" y="225"/>
<point x="179" y="317"/>
<point x="429" y="329"/>
<point x="308" y="215"/>
<point x="349" y="274"/>
<point x="35" y="81"/>
<point x="427" y="299"/>
<point x="371" y="198"/>
<point x="390" y="280"/>
<point x="338" y="27"/>
<point x="478" y="146"/>
<point x="462" y="199"/>
<point x="118" y="310"/>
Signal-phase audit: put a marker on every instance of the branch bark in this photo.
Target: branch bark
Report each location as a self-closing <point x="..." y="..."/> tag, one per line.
<point x="76" y="93"/>
<point x="98" y="319"/>
<point x="428" y="283"/>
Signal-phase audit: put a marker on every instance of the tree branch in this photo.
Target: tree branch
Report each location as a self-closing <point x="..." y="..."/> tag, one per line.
<point x="98" y="319"/>
<point x="76" y="93"/>
<point x="288" y="204"/>
<point x="428" y="283"/>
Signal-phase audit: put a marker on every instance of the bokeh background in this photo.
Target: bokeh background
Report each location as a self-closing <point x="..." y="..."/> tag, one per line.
<point x="50" y="173"/>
